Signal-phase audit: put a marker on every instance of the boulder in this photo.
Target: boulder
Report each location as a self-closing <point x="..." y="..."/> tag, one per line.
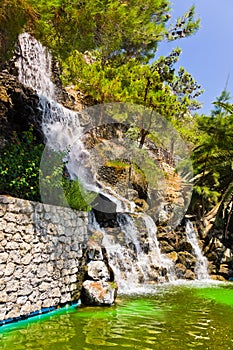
<point x="217" y="278"/>
<point x="94" y="251"/>
<point x="180" y="270"/>
<point x="166" y="248"/>
<point x="189" y="275"/>
<point x="187" y="259"/>
<point x="173" y="256"/>
<point x="98" y="270"/>
<point x="225" y="271"/>
<point x="99" y="293"/>
<point x="227" y="256"/>
<point x="19" y="109"/>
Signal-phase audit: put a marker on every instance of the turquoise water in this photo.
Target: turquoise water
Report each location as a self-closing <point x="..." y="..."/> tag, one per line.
<point x="188" y="316"/>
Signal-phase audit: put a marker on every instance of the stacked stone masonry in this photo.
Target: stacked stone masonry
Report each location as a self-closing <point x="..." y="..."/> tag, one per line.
<point x="41" y="256"/>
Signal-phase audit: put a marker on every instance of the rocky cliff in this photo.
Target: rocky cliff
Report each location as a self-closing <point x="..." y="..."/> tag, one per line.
<point x="20" y="108"/>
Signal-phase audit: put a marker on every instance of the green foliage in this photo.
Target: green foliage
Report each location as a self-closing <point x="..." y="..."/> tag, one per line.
<point x="117" y="163"/>
<point x="76" y="196"/>
<point x="19" y="167"/>
<point x="186" y="89"/>
<point x="153" y="85"/>
<point x="14" y="14"/>
<point x="221" y="106"/>
<point x="109" y="26"/>
<point x="212" y="159"/>
<point x="56" y="187"/>
<point x="51" y="177"/>
<point x="20" y="171"/>
<point x="184" y="25"/>
<point x="119" y="30"/>
<point x="105" y="49"/>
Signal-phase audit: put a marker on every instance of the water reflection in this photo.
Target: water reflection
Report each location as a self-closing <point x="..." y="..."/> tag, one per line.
<point x="174" y="318"/>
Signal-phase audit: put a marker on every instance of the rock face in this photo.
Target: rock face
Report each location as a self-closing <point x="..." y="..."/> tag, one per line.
<point x="99" y="287"/>
<point x="19" y="108"/>
<point x="219" y="251"/>
<point x="99" y="293"/>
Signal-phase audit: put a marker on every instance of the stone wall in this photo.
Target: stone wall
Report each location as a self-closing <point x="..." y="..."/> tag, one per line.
<point x="42" y="256"/>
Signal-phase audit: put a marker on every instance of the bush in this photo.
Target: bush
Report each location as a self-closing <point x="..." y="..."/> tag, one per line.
<point x="19" y="167"/>
<point x="76" y="196"/>
<point x="22" y="175"/>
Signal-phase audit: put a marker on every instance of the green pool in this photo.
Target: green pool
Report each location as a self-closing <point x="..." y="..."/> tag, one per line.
<point x="187" y="316"/>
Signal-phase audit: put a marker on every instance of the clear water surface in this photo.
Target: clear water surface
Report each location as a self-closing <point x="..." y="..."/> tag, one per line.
<point x="187" y="316"/>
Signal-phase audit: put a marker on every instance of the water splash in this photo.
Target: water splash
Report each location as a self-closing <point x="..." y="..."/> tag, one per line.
<point x="201" y="268"/>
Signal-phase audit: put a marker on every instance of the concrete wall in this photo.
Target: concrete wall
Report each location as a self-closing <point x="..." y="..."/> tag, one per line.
<point x="41" y="256"/>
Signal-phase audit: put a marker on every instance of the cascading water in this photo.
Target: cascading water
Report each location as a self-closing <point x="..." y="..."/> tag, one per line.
<point x="155" y="253"/>
<point x="135" y="259"/>
<point x="134" y="256"/>
<point x="61" y="126"/>
<point x="201" y="268"/>
<point x="35" y="68"/>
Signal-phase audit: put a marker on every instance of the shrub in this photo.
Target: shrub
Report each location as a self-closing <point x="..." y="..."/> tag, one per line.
<point x="19" y="167"/>
<point x="21" y="170"/>
<point x="76" y="196"/>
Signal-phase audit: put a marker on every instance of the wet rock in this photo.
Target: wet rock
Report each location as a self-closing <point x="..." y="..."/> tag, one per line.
<point x="227" y="256"/>
<point x="98" y="293"/>
<point x="180" y="270"/>
<point x="224" y="270"/>
<point x="141" y="205"/>
<point x="183" y="245"/>
<point x="173" y="256"/>
<point x="99" y="287"/>
<point x="163" y="235"/>
<point x="19" y="108"/>
<point x="189" y="275"/>
<point x="217" y="278"/>
<point x="212" y="256"/>
<point x="186" y="259"/>
<point x="166" y="247"/>
<point x="163" y="217"/>
<point x="98" y="270"/>
<point x="94" y="251"/>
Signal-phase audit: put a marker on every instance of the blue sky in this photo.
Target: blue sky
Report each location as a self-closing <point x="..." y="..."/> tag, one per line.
<point x="207" y="55"/>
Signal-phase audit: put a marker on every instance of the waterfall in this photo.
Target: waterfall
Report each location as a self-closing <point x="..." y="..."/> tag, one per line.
<point x="134" y="256"/>
<point x="61" y="126"/>
<point x="35" y="66"/>
<point x="134" y="252"/>
<point x="201" y="268"/>
<point x="163" y="260"/>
